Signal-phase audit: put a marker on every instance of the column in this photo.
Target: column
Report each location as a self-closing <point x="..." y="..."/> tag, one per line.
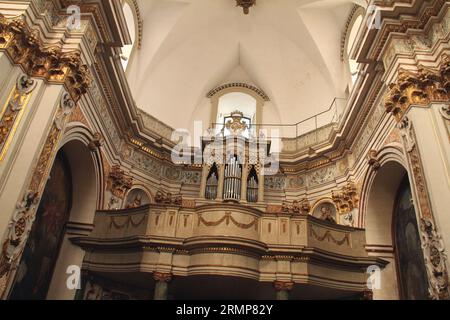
<point x="261" y="184"/>
<point x="244" y="183"/>
<point x="221" y="181"/>
<point x="283" y="289"/>
<point x="161" y="285"/>
<point x="205" y="172"/>
<point x="423" y="115"/>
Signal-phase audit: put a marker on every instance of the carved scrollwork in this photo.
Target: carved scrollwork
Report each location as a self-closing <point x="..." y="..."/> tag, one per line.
<point x="296" y="207"/>
<point x="435" y="258"/>
<point x="167" y="198"/>
<point x="26" y="49"/>
<point x="12" y="112"/>
<point x="119" y="182"/>
<point x="372" y="159"/>
<point x="432" y="244"/>
<point x="419" y="88"/>
<point x="346" y="199"/>
<point x="24" y="215"/>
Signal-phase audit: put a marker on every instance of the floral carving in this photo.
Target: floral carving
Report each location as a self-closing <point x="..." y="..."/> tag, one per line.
<point x="419" y="88"/>
<point x="24" y="215"/>
<point x="119" y="183"/>
<point x="26" y="49"/>
<point x="346" y="199"/>
<point x="13" y="110"/>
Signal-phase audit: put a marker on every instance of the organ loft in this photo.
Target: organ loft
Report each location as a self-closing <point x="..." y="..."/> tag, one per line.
<point x="249" y="150"/>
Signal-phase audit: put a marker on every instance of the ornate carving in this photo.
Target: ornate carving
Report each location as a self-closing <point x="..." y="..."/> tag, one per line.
<point x="126" y="223"/>
<point x="236" y="126"/>
<point x="167" y="198"/>
<point x="297" y="207"/>
<point x="445" y="112"/>
<point x="24" y="215"/>
<point x="246" y="5"/>
<point x="283" y="285"/>
<point x="119" y="183"/>
<point x="26" y="49"/>
<point x="258" y="91"/>
<point x="162" y="277"/>
<point x="418" y="88"/>
<point x="330" y="238"/>
<point x="13" y="110"/>
<point x="435" y="257"/>
<point x="227" y="218"/>
<point x="347" y="199"/>
<point x="432" y="244"/>
<point x="96" y="142"/>
<point x="372" y="159"/>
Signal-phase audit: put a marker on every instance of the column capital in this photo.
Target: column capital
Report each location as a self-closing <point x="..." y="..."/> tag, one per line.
<point x="162" y="277"/>
<point x="283" y="285"/>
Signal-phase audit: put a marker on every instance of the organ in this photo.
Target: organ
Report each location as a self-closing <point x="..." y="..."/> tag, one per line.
<point x="232" y="168"/>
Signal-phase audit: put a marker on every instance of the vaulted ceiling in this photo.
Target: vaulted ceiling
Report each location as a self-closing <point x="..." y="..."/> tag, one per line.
<point x="288" y="48"/>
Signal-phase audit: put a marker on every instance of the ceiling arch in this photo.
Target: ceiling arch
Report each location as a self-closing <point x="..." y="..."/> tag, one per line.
<point x="192" y="46"/>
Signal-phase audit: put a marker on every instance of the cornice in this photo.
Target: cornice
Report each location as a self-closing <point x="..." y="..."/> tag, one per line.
<point x="25" y="48"/>
<point x="419" y="88"/>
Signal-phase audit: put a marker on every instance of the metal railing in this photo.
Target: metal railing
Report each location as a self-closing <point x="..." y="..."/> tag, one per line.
<point x="332" y="115"/>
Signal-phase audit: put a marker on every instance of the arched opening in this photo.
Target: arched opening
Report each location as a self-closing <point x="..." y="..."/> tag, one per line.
<point x="252" y="186"/>
<point x="234" y="103"/>
<point x="127" y="50"/>
<point x="351" y="39"/>
<point x="137" y="198"/>
<point x="38" y="261"/>
<point x="212" y="183"/>
<point x="67" y="209"/>
<point x="392" y="233"/>
<point x="411" y="270"/>
<point x="325" y="210"/>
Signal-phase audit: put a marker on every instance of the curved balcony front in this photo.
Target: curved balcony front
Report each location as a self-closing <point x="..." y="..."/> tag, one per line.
<point x="228" y="240"/>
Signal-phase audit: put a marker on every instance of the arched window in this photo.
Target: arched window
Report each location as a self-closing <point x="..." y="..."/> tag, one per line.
<point x="252" y="186"/>
<point x="212" y="183"/>
<point x="351" y="39"/>
<point x="127" y="50"/>
<point x="236" y="106"/>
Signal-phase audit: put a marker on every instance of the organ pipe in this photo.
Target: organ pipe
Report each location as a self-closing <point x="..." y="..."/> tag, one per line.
<point x="233" y="176"/>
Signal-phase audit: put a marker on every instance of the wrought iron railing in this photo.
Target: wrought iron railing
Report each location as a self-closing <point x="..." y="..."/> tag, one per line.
<point x="331" y="116"/>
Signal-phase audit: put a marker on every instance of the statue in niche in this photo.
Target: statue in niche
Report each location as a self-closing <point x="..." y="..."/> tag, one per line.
<point x="327" y="215"/>
<point x="326" y="211"/>
<point x="136" y="203"/>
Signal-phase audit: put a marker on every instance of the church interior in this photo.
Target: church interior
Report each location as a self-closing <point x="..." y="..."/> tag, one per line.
<point x="224" y="149"/>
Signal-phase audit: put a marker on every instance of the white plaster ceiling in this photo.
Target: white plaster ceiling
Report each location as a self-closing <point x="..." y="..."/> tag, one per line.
<point x="288" y="48"/>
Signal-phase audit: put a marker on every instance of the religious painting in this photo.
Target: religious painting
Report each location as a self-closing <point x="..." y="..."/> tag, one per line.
<point x="136" y="198"/>
<point x="412" y="276"/>
<point x="41" y="252"/>
<point x="326" y="211"/>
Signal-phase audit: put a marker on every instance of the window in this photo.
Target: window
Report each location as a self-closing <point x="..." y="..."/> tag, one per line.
<point x="353" y="64"/>
<point x="131" y="24"/>
<point x="211" y="183"/>
<point x="252" y="186"/>
<point x="234" y="109"/>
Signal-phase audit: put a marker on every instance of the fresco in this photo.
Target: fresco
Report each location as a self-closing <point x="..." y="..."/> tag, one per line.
<point x="412" y="275"/>
<point x="36" y="268"/>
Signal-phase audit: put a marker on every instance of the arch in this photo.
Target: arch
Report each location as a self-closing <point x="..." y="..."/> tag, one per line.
<point x="325" y="209"/>
<point x="390" y="153"/>
<point x="353" y="25"/>
<point x="132" y="19"/>
<point x="378" y="208"/>
<point x="87" y="193"/>
<point x="237" y="88"/>
<point x="137" y="196"/>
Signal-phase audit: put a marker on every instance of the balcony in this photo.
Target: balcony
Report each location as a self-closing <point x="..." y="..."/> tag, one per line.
<point x="228" y="240"/>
